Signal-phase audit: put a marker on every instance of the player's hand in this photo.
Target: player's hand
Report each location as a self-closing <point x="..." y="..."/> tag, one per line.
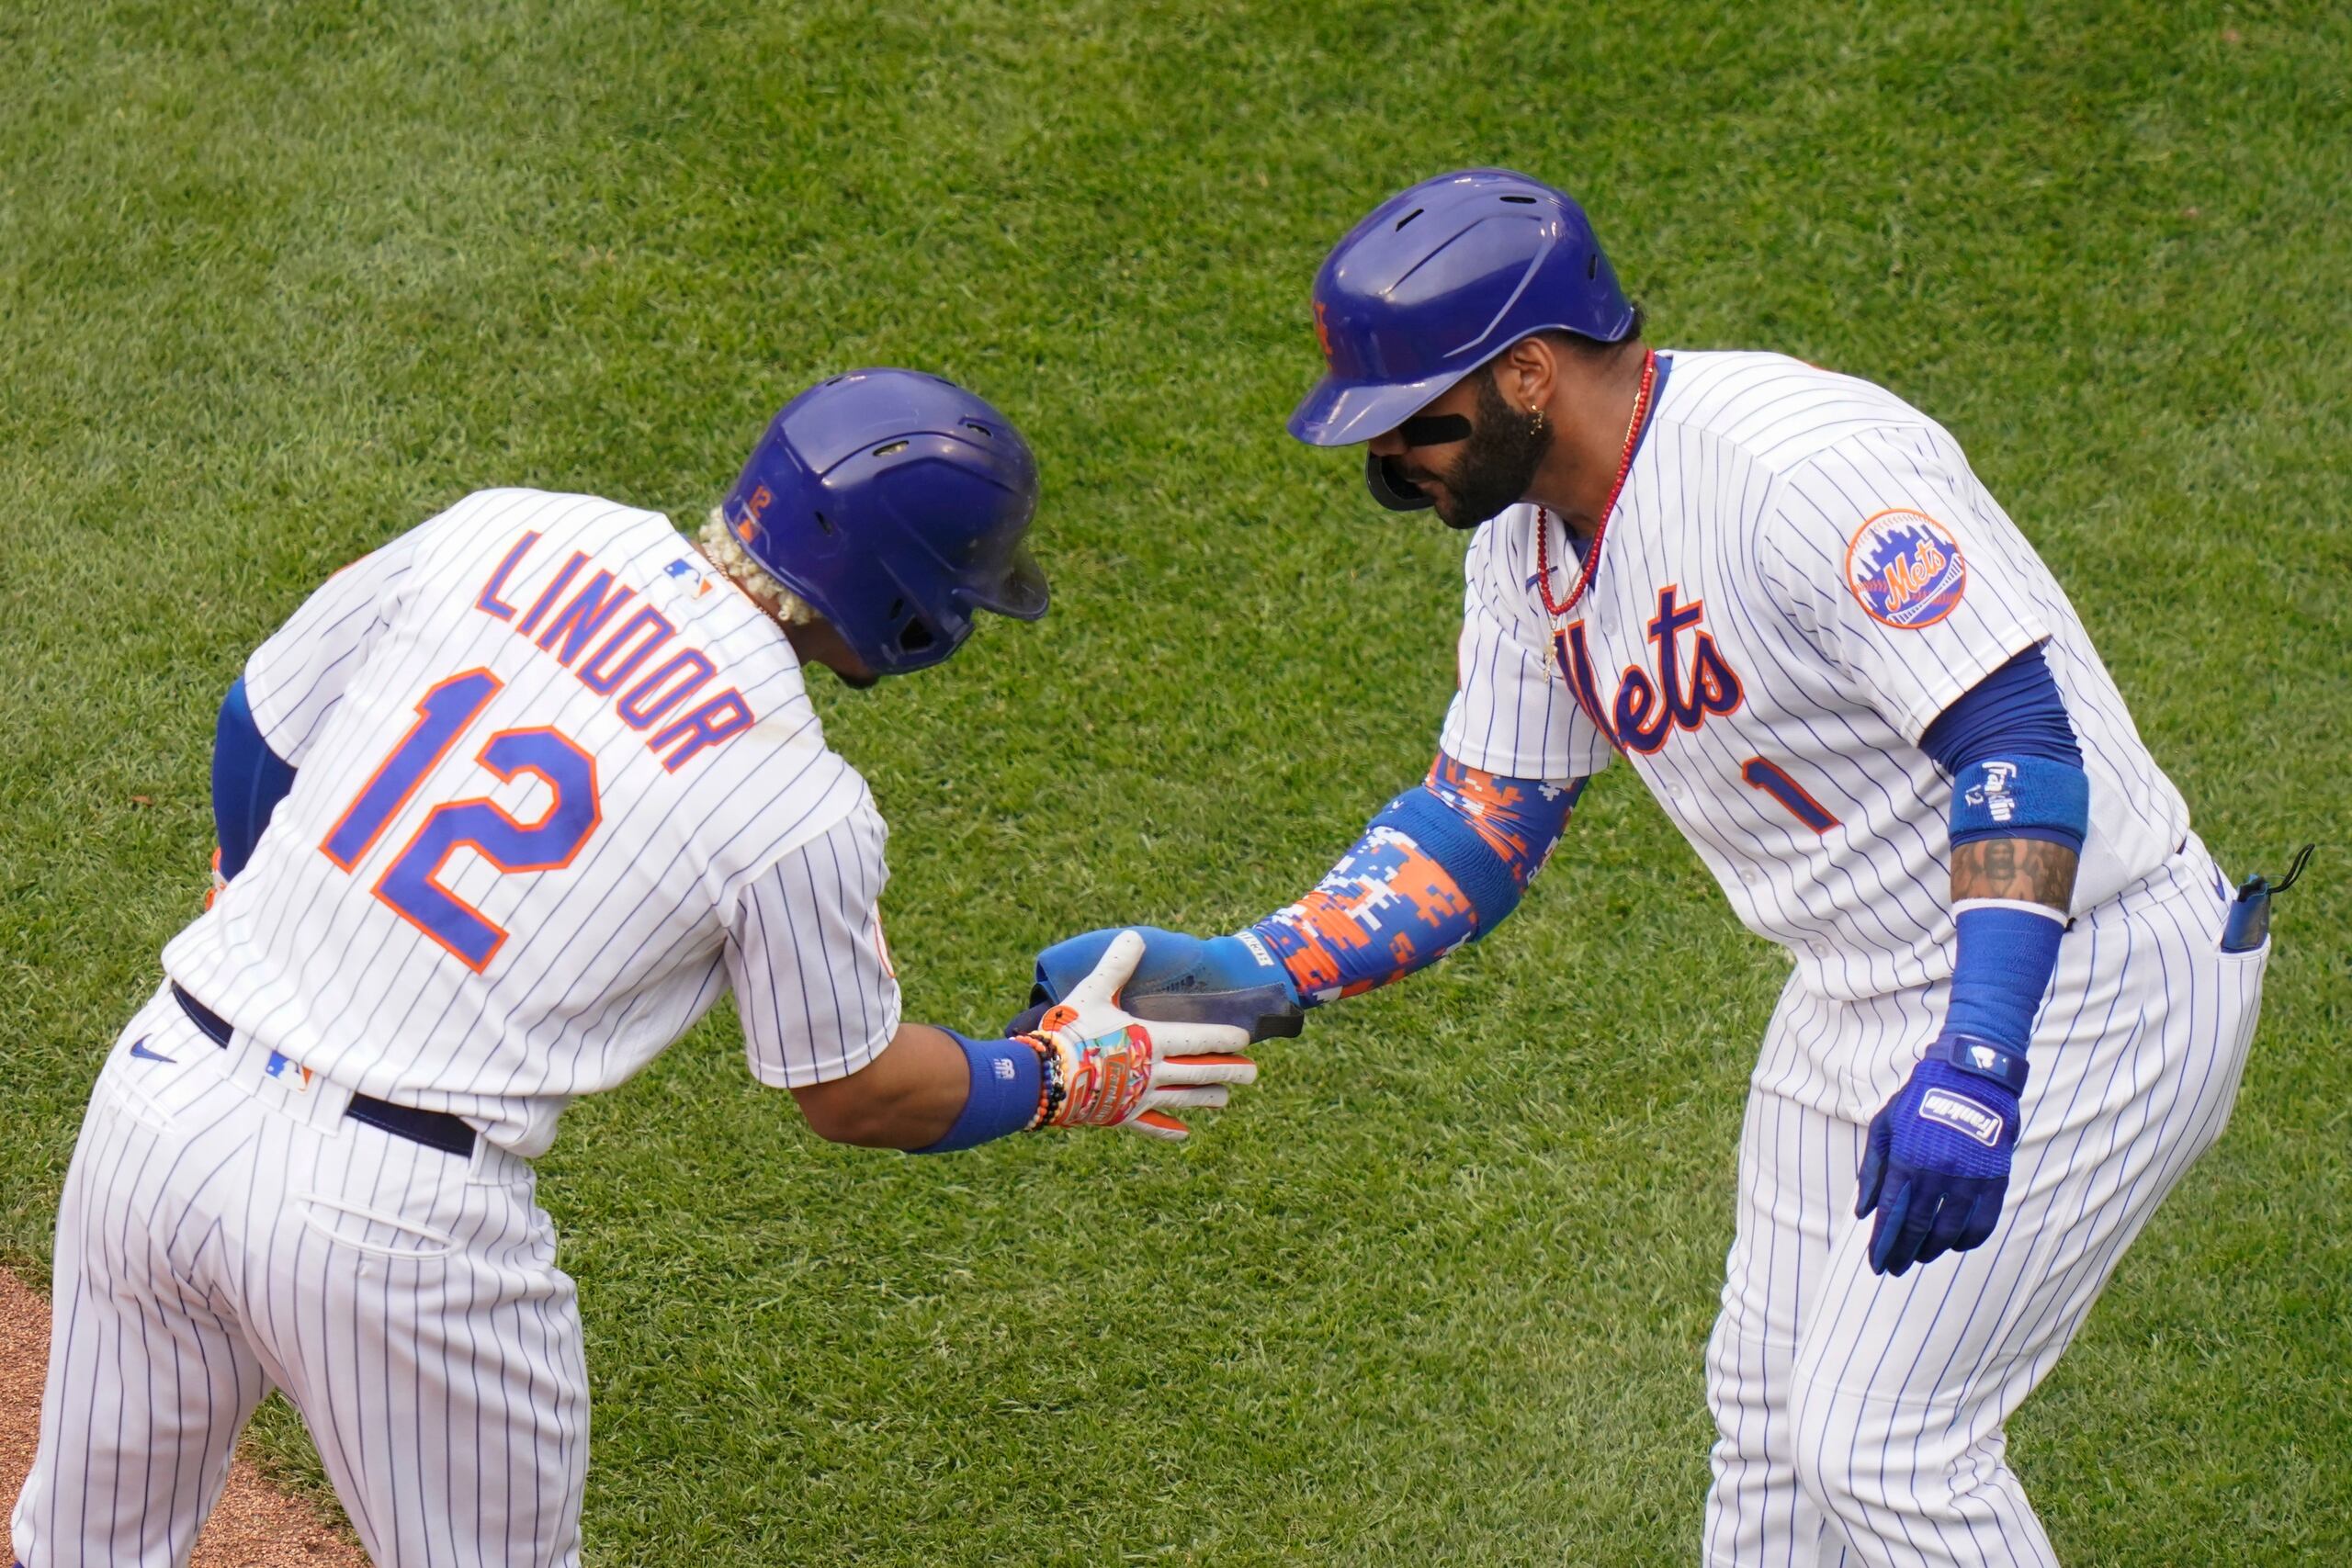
<point x="1179" y="979"/>
<point x="1106" y="1068"/>
<point x="1937" y="1165"/>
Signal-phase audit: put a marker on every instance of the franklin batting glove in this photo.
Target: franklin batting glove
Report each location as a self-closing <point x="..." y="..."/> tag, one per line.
<point x="1937" y="1167"/>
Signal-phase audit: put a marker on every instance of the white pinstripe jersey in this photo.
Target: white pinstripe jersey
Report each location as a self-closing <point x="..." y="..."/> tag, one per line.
<point x="557" y="784"/>
<point x="1801" y="573"/>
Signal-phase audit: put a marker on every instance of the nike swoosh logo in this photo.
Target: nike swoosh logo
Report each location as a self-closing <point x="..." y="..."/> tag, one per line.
<point x="139" y="1049"/>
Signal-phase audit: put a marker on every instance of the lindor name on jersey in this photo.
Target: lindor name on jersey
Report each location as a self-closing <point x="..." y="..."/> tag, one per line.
<point x="623" y="652"/>
<point x="1801" y="573"/>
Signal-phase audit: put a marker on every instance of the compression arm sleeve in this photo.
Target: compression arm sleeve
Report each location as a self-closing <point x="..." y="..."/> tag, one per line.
<point x="2014" y="716"/>
<point x="2017" y="773"/>
<point x="248" y="781"/>
<point x="1441" y="864"/>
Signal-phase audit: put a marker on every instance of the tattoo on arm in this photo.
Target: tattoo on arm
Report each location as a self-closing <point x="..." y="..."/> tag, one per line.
<point x="2031" y="870"/>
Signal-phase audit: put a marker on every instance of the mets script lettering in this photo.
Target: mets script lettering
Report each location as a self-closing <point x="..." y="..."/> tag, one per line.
<point x="1648" y="707"/>
<point x="1906" y="579"/>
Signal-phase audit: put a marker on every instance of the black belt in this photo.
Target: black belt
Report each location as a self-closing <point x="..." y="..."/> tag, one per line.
<point x="433" y="1129"/>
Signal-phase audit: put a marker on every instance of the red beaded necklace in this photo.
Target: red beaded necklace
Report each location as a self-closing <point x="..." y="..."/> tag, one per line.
<point x="1624" y="466"/>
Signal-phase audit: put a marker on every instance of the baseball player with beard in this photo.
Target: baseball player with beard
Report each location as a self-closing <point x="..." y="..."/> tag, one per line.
<point x="2021" y="991"/>
<point x="505" y="807"/>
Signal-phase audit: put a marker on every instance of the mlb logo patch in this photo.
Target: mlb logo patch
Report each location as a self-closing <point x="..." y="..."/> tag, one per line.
<point x="1904" y="568"/>
<point x="289" y="1071"/>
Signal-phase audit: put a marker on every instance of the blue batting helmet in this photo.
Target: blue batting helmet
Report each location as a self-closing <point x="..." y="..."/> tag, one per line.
<point x="1437" y="281"/>
<point x="895" y="503"/>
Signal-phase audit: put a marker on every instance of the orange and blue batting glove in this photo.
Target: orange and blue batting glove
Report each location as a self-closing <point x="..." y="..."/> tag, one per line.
<point x="1105" y="1067"/>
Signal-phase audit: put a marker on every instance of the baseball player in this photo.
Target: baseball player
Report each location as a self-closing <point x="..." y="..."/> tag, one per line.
<point x="2021" y="991"/>
<point x="503" y="809"/>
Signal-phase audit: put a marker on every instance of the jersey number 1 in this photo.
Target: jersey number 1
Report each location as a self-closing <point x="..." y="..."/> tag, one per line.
<point x="1774" y="781"/>
<point x="411" y="883"/>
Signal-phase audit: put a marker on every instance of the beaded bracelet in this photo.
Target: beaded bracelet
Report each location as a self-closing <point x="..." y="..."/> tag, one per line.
<point x="1051" y="1090"/>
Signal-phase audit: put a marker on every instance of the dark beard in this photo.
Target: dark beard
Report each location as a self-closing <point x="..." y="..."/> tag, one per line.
<point x="1499" y="461"/>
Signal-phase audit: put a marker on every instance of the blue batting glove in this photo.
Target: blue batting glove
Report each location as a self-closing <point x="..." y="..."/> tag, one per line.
<point x="1938" y="1162"/>
<point x="1225" y="979"/>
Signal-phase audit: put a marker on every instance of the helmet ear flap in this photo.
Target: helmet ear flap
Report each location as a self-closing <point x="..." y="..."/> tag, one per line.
<point x="1391" y="488"/>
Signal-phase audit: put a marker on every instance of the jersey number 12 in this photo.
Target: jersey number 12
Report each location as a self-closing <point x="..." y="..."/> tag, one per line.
<point x="411" y="883"/>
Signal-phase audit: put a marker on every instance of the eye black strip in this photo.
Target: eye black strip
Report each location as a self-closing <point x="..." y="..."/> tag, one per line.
<point x="1434" y="429"/>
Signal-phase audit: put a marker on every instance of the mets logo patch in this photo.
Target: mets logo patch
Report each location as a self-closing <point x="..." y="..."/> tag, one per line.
<point x="1905" y="569"/>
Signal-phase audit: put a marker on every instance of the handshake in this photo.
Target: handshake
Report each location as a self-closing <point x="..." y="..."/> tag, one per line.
<point x="1133" y="1023"/>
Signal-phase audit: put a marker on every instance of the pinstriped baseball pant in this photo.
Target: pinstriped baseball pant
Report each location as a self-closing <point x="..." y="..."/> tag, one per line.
<point x="1860" y="1418"/>
<point x="224" y="1230"/>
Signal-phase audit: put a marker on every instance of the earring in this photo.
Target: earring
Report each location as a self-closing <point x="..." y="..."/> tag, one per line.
<point x="1537" y="415"/>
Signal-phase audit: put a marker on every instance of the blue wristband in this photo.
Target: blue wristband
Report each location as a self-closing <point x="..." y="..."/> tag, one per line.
<point x="1007" y="1076"/>
<point x="2021" y="798"/>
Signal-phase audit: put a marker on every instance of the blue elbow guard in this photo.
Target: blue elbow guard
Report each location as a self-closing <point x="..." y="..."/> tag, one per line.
<point x="2021" y="798"/>
<point x="1007" y="1077"/>
<point x="1446" y="838"/>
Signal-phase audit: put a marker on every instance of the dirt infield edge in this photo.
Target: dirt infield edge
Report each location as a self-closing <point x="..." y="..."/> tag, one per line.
<point x="256" y="1524"/>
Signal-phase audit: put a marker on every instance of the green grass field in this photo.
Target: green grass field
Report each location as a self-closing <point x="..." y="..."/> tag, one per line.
<point x="276" y="281"/>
